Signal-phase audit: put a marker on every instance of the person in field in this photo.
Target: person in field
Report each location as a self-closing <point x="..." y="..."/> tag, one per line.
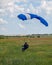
<point x="25" y="46"/>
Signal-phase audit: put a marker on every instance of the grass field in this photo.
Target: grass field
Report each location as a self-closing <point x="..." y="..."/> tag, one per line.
<point x="38" y="53"/>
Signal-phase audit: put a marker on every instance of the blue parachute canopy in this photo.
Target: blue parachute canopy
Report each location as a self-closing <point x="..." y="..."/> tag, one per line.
<point x="28" y="16"/>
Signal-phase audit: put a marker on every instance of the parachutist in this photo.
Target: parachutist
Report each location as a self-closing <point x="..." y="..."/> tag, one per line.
<point x="25" y="46"/>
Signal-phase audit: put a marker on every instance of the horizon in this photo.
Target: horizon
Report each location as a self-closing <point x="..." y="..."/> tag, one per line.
<point x="25" y="34"/>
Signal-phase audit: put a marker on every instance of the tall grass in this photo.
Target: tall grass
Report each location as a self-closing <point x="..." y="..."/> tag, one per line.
<point x="38" y="53"/>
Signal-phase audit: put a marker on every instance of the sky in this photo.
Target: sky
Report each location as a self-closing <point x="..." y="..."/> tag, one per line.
<point x="10" y="24"/>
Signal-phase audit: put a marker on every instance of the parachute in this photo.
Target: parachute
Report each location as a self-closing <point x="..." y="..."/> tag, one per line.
<point x="28" y="16"/>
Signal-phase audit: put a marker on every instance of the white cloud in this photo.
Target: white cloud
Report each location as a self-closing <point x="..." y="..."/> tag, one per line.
<point x="21" y="1"/>
<point x="32" y="8"/>
<point x="2" y="21"/>
<point x="47" y="6"/>
<point x="2" y="10"/>
<point x="10" y="8"/>
<point x="21" y="25"/>
<point x="29" y="9"/>
<point x="3" y="29"/>
<point x="9" y="5"/>
<point x="43" y="3"/>
<point x="19" y="8"/>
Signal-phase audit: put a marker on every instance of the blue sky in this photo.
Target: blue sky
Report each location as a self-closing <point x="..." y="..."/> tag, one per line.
<point x="11" y="25"/>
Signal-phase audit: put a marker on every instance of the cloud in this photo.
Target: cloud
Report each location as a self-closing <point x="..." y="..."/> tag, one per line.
<point x="21" y="1"/>
<point x="2" y="10"/>
<point x="47" y="6"/>
<point x="4" y="29"/>
<point x="32" y="8"/>
<point x="21" y="25"/>
<point x="19" y="8"/>
<point x="10" y="6"/>
<point x="2" y="21"/>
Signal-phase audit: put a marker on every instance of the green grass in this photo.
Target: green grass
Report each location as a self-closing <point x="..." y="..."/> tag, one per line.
<point x="38" y="53"/>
